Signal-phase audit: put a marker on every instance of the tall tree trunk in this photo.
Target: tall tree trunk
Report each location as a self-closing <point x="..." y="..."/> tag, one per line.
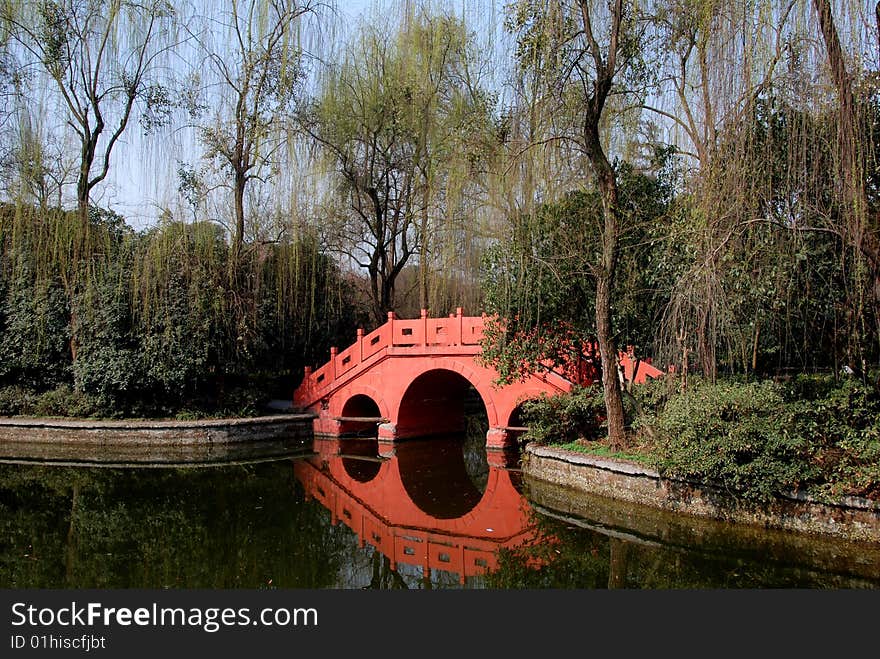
<point x="606" y="180"/>
<point x="877" y="25"/>
<point x="81" y="240"/>
<point x="423" y="256"/>
<point x="238" y="236"/>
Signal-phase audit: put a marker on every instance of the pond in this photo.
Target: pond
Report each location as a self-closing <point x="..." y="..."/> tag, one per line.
<point x="434" y="513"/>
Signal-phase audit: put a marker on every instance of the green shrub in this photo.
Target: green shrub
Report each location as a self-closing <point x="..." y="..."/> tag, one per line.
<point x="810" y="433"/>
<point x="66" y="402"/>
<point x="16" y="400"/>
<point x="741" y="437"/>
<point x="842" y="422"/>
<point x="566" y="417"/>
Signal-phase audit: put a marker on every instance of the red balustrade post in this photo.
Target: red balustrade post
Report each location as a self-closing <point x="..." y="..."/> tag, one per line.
<point x="333" y="352"/>
<point x="424" y="327"/>
<point x="307" y="383"/>
<point x="391" y="317"/>
<point x="459" y="326"/>
<point x="360" y="340"/>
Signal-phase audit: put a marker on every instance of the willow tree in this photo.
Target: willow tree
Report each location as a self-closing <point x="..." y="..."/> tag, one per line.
<point x="714" y="61"/>
<point x="101" y="61"/>
<point x="451" y="114"/>
<point x="580" y="51"/>
<point x="734" y="78"/>
<point x="860" y="225"/>
<point x="102" y="58"/>
<point x="8" y="94"/>
<point x="35" y="167"/>
<point x="392" y="123"/>
<point x="740" y="76"/>
<point x="252" y="70"/>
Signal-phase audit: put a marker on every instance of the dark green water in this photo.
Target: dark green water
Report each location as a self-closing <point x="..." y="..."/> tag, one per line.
<point x="264" y="525"/>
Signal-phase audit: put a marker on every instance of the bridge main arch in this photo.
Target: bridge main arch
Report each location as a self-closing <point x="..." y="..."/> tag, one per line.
<point x="433" y="400"/>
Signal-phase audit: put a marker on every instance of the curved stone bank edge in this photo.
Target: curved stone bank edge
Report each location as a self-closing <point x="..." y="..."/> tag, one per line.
<point x="850" y="518"/>
<point x="165" y="433"/>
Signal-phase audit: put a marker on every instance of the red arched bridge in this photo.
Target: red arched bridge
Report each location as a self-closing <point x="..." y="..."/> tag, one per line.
<point x="412" y="378"/>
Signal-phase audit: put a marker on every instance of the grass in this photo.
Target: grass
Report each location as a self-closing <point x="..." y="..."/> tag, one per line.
<point x="602" y="450"/>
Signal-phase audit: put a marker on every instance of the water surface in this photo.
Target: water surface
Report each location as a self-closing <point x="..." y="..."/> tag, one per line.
<point x="431" y="513"/>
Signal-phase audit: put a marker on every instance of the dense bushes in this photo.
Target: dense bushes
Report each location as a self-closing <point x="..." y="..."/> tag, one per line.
<point x="752" y="439"/>
<point x="555" y="419"/>
<point x="740" y="436"/>
<point x="100" y="320"/>
<point x="764" y="438"/>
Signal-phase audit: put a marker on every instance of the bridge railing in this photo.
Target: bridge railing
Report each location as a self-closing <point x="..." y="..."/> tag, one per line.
<point x="454" y="330"/>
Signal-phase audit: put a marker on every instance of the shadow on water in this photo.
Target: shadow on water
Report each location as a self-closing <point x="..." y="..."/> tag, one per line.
<point x="131" y="455"/>
<point x="605" y="543"/>
<point x="434" y="512"/>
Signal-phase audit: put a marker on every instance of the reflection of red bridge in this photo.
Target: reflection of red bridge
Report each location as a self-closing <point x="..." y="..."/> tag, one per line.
<point x="412" y="376"/>
<point x="392" y="504"/>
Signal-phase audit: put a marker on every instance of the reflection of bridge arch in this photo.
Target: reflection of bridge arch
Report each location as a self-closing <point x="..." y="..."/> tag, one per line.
<point x="424" y="474"/>
<point x="361" y="459"/>
<point x="382" y="513"/>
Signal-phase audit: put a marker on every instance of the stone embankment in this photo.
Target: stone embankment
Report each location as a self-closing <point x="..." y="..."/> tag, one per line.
<point x="26" y="438"/>
<point x="850" y="518"/>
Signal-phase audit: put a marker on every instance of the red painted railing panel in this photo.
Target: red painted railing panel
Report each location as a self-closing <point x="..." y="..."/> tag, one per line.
<point x="408" y="333"/>
<point x="377" y="340"/>
<point x="440" y="332"/>
<point x="323" y="376"/>
<point x="472" y="330"/>
<point x="347" y="359"/>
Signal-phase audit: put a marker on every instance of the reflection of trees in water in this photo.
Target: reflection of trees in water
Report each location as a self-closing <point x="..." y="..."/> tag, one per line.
<point x="384" y="577"/>
<point x="229" y="527"/>
<point x="578" y="558"/>
<point x="367" y="568"/>
<point x="410" y="577"/>
<point x="474" y="446"/>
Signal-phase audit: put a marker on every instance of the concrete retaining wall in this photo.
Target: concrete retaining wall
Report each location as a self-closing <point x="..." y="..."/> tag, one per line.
<point x="850" y="518"/>
<point x="213" y="431"/>
<point x="153" y="443"/>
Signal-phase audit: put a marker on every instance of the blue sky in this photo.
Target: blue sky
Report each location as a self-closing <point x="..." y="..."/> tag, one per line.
<point x="143" y="172"/>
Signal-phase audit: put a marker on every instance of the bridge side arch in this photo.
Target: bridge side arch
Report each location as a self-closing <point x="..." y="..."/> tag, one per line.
<point x="352" y="402"/>
<point x="534" y="393"/>
<point x="339" y="399"/>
